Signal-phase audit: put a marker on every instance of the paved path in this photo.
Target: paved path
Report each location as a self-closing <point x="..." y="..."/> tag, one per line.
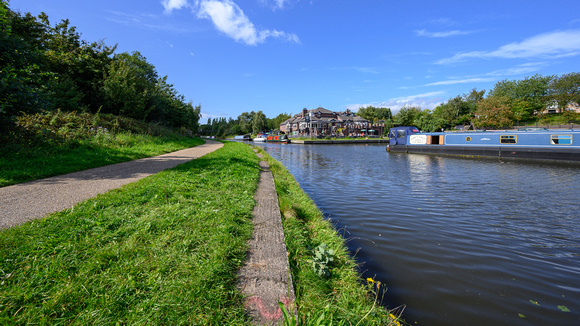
<point x="27" y="201"/>
<point x="265" y="278"/>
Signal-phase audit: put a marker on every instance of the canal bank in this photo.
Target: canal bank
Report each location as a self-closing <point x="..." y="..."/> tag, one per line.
<point x="167" y="250"/>
<point x="339" y="141"/>
<point x="326" y="277"/>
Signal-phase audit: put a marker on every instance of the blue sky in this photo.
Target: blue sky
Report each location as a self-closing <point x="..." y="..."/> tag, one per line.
<point x="279" y="56"/>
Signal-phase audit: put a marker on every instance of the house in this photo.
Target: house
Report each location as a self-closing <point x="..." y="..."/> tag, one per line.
<point x="553" y="108"/>
<point x="322" y="122"/>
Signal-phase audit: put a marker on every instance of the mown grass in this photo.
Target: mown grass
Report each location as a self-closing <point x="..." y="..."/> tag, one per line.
<point x="161" y="251"/>
<point x="25" y="163"/>
<point x="343" y="298"/>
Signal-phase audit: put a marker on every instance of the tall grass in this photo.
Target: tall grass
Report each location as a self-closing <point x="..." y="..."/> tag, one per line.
<point x="162" y="251"/>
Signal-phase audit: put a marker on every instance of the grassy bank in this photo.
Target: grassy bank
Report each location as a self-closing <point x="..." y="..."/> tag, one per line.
<point x="162" y="251"/>
<point x="166" y="251"/>
<point x="56" y="143"/>
<point x="329" y="290"/>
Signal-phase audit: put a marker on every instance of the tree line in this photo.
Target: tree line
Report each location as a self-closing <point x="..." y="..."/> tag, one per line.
<point x="508" y="102"/>
<point x="246" y="123"/>
<point x="48" y="68"/>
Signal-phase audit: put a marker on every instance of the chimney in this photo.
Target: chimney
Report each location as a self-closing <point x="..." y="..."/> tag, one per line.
<point x="304" y="112"/>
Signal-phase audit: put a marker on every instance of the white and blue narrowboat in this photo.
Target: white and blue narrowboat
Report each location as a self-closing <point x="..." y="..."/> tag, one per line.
<point x="529" y="143"/>
<point x="243" y="137"/>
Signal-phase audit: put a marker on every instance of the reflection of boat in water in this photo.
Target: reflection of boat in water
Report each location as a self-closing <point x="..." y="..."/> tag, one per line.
<point x="278" y="139"/>
<point x="557" y="145"/>
<point x="260" y="139"/>
<point x="243" y="137"/>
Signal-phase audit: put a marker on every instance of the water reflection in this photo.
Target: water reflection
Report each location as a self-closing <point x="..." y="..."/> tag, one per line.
<point x="459" y="241"/>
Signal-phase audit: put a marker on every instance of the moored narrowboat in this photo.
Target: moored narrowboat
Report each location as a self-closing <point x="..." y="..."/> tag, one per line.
<point x="277" y="139"/>
<point x="554" y="145"/>
<point x="243" y="137"/>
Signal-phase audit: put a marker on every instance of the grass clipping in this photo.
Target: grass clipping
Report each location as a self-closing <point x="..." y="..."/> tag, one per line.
<point x="333" y="293"/>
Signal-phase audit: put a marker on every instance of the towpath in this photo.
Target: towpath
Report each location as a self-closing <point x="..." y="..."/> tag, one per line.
<point x="32" y="200"/>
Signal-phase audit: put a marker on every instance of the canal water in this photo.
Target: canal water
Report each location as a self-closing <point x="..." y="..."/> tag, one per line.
<point x="457" y="241"/>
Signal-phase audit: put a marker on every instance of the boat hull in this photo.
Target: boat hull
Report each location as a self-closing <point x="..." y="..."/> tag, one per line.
<point x="277" y="139"/>
<point x="508" y="152"/>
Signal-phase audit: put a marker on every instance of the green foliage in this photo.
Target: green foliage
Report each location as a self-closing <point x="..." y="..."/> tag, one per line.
<point x="259" y="122"/>
<point x="407" y="115"/>
<point x="428" y="121"/>
<point x="129" y="86"/>
<point x="533" y="90"/>
<point x="45" y="67"/>
<point x="322" y="260"/>
<point x="374" y="114"/>
<point x="275" y="123"/>
<point x="565" y="90"/>
<point x="494" y="112"/>
<point x="39" y="143"/>
<point x="246" y="123"/>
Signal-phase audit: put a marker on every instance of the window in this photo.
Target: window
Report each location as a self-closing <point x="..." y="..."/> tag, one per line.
<point x="400" y="133"/>
<point x="468" y="138"/>
<point x="561" y="139"/>
<point x="508" y="139"/>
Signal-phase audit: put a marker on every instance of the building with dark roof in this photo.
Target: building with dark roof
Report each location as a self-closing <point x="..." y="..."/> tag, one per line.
<point x="322" y="122"/>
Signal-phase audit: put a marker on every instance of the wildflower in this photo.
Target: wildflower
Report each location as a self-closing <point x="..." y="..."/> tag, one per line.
<point x="395" y="320"/>
<point x="370" y="281"/>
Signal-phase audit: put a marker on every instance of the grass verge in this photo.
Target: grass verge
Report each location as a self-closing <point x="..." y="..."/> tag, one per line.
<point x="161" y="251"/>
<point x="22" y="163"/>
<point x="328" y="291"/>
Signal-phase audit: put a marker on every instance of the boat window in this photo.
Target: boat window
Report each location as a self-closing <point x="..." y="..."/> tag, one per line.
<point x="393" y="134"/>
<point x="561" y="139"/>
<point x="508" y="139"/>
<point x="467" y="138"/>
<point x="400" y="133"/>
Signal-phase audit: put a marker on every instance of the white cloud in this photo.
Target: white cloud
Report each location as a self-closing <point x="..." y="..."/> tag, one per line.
<point x="229" y="18"/>
<point x="423" y="32"/>
<point x="525" y="68"/>
<point x="171" y="5"/>
<point x="548" y="45"/>
<point x="425" y="100"/>
<point x="276" y="4"/>
<point x="460" y="81"/>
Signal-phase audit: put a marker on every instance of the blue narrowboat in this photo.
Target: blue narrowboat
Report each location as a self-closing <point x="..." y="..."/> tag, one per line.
<point x="530" y="143"/>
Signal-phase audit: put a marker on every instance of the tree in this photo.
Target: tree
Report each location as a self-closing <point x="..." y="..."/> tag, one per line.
<point x="21" y="64"/>
<point x="374" y="114"/>
<point x="494" y="112"/>
<point x="129" y="85"/>
<point x="406" y="115"/>
<point x="259" y="122"/>
<point x="275" y="123"/>
<point x="428" y="121"/>
<point x="245" y="122"/>
<point x="534" y="90"/>
<point x="565" y="90"/>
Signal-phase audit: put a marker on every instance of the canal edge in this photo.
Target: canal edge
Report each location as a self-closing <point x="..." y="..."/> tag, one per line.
<point x="266" y="279"/>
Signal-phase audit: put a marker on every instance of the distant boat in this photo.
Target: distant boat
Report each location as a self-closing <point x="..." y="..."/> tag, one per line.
<point x="243" y="137"/>
<point x="260" y="138"/>
<point x="534" y="144"/>
<point x="277" y="139"/>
